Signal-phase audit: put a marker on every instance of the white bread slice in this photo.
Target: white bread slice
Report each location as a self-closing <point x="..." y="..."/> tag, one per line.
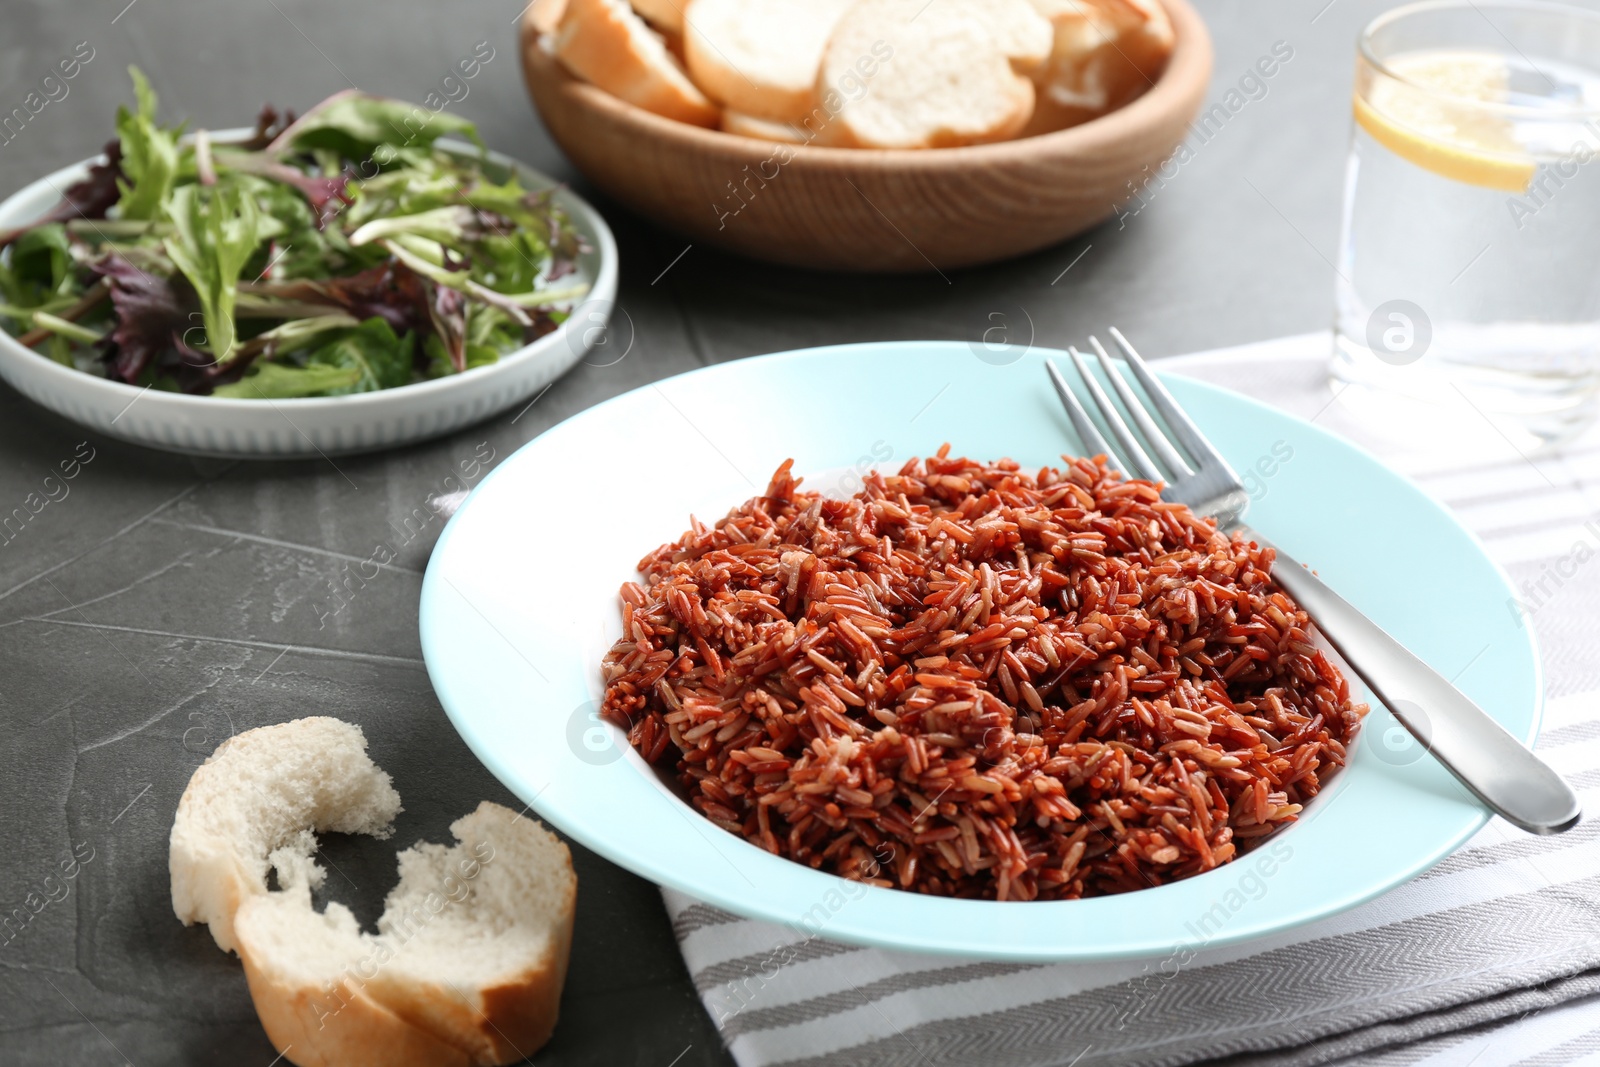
<point x="255" y="803"/>
<point x="760" y="57"/>
<point x="1105" y="54"/>
<point x="762" y="129"/>
<point x="949" y="79"/>
<point x="606" y="44"/>
<point x="1016" y="29"/>
<point x="471" y="952"/>
<point x="663" y="14"/>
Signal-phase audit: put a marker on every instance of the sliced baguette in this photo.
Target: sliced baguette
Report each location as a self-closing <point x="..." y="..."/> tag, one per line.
<point x="760" y="57"/>
<point x="1018" y="29"/>
<point x="607" y="44"/>
<point x="666" y="15"/>
<point x="1105" y="54"/>
<point x="945" y="73"/>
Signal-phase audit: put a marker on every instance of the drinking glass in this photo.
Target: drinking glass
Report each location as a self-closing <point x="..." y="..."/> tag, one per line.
<point x="1469" y="262"/>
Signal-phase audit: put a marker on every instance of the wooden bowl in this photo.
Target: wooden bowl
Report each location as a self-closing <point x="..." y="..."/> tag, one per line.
<point x="872" y="209"/>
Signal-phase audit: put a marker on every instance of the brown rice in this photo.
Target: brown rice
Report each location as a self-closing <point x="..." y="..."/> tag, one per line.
<point x="970" y="681"/>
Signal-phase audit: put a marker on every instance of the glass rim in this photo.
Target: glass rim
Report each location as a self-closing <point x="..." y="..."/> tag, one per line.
<point x="1365" y="52"/>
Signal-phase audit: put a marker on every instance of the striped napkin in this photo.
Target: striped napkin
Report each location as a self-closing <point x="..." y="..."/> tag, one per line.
<point x="1491" y="958"/>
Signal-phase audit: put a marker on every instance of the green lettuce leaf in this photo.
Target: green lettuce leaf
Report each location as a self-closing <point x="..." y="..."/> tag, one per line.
<point x="149" y="155"/>
<point x="380" y="358"/>
<point x="278" y="381"/>
<point x="213" y="238"/>
<point x="354" y="124"/>
<point x="38" y="271"/>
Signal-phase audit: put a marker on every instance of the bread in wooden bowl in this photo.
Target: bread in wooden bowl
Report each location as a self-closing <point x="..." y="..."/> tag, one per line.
<point x="470" y="954"/>
<point x="760" y="57"/>
<point x="1105" y="53"/>
<point x="664" y="15"/>
<point x="953" y="74"/>
<point x="814" y="204"/>
<point x="609" y="45"/>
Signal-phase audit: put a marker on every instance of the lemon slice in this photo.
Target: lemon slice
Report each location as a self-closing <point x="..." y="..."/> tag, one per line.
<point x="1431" y="118"/>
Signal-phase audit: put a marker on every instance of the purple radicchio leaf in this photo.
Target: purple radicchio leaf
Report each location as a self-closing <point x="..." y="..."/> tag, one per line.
<point x="87" y="198"/>
<point x="448" y="311"/>
<point x="269" y="124"/>
<point x="390" y="291"/>
<point x="151" y="311"/>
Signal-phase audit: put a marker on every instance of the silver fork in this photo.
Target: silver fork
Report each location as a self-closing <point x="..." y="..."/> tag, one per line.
<point x="1486" y="759"/>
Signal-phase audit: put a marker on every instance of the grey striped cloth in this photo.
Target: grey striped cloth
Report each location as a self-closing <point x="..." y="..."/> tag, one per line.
<point x="1492" y="957"/>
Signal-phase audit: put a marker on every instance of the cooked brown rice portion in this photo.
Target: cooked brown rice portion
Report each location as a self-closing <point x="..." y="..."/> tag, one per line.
<point x="972" y="681"/>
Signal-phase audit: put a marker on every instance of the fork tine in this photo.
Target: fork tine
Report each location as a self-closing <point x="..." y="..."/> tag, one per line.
<point x="1152" y="433"/>
<point x="1143" y="466"/>
<point x="1183" y="427"/>
<point x="1087" y="431"/>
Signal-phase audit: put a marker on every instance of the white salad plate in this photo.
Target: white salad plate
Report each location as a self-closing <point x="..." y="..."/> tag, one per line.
<point x="317" y="426"/>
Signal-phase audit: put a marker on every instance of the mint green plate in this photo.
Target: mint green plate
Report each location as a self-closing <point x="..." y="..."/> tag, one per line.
<point x="520" y="604"/>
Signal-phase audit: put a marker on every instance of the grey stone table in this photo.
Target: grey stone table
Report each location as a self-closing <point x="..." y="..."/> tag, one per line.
<point x="165" y="602"/>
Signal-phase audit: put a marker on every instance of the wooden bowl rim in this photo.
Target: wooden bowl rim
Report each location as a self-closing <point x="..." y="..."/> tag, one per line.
<point x="1187" y="74"/>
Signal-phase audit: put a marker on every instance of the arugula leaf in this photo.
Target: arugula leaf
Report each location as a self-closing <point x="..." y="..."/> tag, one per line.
<point x="211" y="243"/>
<point x="490" y="332"/>
<point x="149" y="155"/>
<point x="449" y="225"/>
<point x="278" y="381"/>
<point x="438" y="264"/>
<point x="382" y="358"/>
<point x="327" y="195"/>
<point x="354" y="124"/>
<point x="296" y="333"/>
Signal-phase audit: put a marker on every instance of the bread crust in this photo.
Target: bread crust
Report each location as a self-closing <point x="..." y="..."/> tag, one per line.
<point x="607" y="44"/>
<point x="312" y="1028"/>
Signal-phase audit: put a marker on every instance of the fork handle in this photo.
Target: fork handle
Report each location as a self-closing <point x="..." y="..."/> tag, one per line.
<point x="1483" y="756"/>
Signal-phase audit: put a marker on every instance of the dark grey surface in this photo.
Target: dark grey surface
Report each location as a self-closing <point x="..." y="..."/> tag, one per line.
<point x="166" y="602"/>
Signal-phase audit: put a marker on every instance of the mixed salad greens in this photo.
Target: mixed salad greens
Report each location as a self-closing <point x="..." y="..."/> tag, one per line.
<point x="340" y="252"/>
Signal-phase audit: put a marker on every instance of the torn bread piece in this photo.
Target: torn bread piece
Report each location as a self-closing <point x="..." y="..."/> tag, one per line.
<point x="469" y="957"/>
<point x="256" y="802"/>
<point x="944" y="78"/>
<point x="605" y="43"/>
<point x="471" y="951"/>
<point x="760" y="57"/>
<point x="1106" y="53"/>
